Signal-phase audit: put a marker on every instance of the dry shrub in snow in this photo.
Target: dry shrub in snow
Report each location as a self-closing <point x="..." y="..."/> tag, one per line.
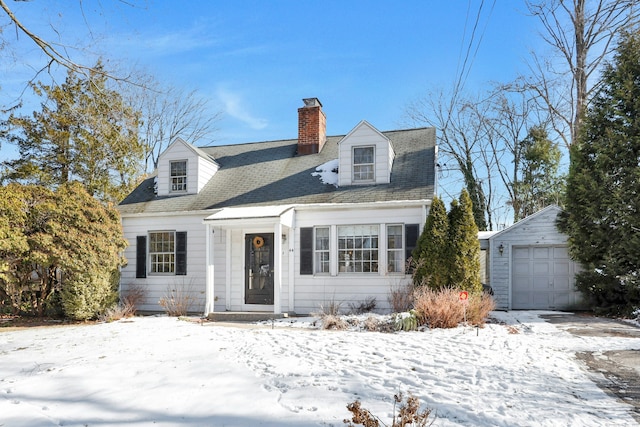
<point x="371" y="324"/>
<point x="131" y="299"/>
<point x="438" y="309"/>
<point x="330" y="321"/>
<point x="177" y="300"/>
<point x="114" y="313"/>
<point x="329" y="308"/>
<point x="401" y="298"/>
<point x="443" y="309"/>
<point x="479" y="307"/>
<point x="408" y="415"/>
<point x="366" y="306"/>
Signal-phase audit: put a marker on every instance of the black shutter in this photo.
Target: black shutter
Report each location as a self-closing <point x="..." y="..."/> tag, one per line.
<point x="306" y="250"/>
<point x="141" y="257"/>
<point x="410" y="239"/>
<point x="181" y="253"/>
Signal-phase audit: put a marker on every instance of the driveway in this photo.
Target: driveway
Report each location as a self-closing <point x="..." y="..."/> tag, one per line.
<point x="615" y="372"/>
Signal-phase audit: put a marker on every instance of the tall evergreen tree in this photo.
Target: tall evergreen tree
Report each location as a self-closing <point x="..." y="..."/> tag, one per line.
<point x="541" y="184"/>
<point x="464" y="246"/>
<point x="431" y="252"/>
<point x="84" y="132"/>
<point x="602" y="207"/>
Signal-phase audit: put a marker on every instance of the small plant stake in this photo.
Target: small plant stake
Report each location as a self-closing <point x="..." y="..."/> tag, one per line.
<point x="464" y="299"/>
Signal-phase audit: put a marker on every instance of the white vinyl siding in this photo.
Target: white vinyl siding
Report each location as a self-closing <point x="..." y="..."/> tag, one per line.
<point x="157" y="286"/>
<point x="206" y="170"/>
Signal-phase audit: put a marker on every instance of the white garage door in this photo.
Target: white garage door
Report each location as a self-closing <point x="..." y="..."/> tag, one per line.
<point x="543" y="278"/>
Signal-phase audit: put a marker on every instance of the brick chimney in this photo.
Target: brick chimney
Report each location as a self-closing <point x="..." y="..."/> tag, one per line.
<point x="312" y="127"/>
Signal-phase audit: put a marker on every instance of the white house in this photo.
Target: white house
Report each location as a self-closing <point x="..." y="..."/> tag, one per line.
<point x="281" y="226"/>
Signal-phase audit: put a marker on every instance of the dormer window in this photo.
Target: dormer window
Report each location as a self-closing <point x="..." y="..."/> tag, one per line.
<point x="363" y="164"/>
<point x="178" y="177"/>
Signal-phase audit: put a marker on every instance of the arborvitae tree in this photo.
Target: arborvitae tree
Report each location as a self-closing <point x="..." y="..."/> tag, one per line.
<point x="431" y="252"/>
<point x="464" y="246"/>
<point x="84" y="132"/>
<point x="602" y="206"/>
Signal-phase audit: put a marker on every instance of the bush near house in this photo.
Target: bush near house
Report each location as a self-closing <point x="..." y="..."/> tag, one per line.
<point x="447" y="254"/>
<point x="59" y="251"/>
<point x="443" y="308"/>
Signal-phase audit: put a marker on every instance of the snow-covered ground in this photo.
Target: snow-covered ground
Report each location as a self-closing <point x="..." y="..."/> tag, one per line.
<point x="168" y="372"/>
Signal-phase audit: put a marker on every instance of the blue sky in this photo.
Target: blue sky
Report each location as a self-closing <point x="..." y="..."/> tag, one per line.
<point x="256" y="60"/>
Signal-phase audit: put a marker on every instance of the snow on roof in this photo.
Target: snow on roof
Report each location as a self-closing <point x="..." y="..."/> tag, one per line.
<point x="328" y="172"/>
<point x="484" y="235"/>
<point x="249" y="212"/>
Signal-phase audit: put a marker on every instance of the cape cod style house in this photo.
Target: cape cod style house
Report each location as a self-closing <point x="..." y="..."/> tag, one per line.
<point x="281" y="226"/>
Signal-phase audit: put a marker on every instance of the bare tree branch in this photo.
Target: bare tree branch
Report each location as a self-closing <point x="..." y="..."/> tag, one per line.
<point x="55" y="55"/>
<point x="583" y="38"/>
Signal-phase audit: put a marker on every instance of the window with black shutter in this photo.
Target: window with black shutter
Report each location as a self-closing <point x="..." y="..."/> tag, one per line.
<point x="306" y="250"/>
<point x="410" y="238"/>
<point x="141" y="257"/>
<point x="181" y="253"/>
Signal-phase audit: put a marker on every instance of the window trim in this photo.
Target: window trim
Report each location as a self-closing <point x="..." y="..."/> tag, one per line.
<point x="354" y="164"/>
<point x="182" y="178"/>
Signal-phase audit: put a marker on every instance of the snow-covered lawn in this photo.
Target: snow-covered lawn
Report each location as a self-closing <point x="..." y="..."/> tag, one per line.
<point x="168" y="372"/>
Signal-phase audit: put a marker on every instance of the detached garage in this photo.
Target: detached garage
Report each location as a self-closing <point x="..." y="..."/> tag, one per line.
<point x="530" y="268"/>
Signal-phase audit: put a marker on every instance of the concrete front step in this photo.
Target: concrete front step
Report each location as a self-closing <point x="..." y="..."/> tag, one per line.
<point x="251" y="316"/>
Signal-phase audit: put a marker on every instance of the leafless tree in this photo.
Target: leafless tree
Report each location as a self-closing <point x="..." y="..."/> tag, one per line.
<point x="463" y="140"/>
<point x="581" y="34"/>
<point x="511" y="115"/>
<point x="167" y="113"/>
<point x="480" y="140"/>
<point x="57" y="53"/>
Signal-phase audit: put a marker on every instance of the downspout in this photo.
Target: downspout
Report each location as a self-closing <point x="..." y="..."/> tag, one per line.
<point x="209" y="275"/>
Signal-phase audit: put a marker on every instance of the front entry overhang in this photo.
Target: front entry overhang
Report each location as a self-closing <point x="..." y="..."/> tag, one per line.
<point x="274" y="217"/>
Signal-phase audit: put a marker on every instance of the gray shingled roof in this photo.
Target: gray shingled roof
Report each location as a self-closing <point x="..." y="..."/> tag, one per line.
<point x="270" y="173"/>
